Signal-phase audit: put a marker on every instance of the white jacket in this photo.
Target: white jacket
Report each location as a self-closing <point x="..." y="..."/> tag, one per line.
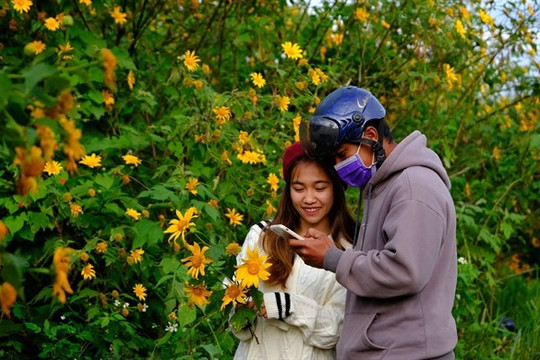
<point x="312" y="325"/>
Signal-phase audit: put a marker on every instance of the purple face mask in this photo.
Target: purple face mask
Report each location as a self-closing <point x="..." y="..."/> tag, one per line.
<point x="354" y="172"/>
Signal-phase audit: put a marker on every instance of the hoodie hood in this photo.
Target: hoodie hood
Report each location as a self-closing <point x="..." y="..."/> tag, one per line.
<point x="411" y="151"/>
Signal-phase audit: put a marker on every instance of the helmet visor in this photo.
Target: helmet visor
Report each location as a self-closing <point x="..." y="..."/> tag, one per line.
<point x="319" y="136"/>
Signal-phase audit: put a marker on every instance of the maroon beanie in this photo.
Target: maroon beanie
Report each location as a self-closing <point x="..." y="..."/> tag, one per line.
<point x="292" y="153"/>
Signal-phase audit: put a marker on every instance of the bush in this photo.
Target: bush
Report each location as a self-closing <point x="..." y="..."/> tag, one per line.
<point x="141" y="140"/>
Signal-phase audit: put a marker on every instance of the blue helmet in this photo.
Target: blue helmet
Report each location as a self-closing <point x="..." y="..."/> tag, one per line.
<point x="340" y="117"/>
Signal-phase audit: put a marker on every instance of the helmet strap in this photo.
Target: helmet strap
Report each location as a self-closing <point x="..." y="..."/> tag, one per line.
<point x="377" y="149"/>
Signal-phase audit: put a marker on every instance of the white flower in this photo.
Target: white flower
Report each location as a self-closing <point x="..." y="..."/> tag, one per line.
<point x="144" y="307"/>
<point x="63" y="317"/>
<point x="462" y="260"/>
<point x="126" y="305"/>
<point x="117" y="303"/>
<point x="171" y="327"/>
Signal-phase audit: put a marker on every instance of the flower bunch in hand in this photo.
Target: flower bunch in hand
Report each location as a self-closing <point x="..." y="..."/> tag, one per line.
<point x="243" y="292"/>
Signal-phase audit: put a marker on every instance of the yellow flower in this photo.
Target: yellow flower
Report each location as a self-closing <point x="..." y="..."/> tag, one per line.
<point x="486" y="18"/>
<point x="140" y="291"/>
<point x="135" y="256"/>
<point x="257" y="80"/>
<point x="385" y="24"/>
<point x="75" y="209"/>
<point x="191" y="61"/>
<point x="37" y="46"/>
<point x="496" y="153"/>
<point x="196" y="262"/>
<point x="293" y="51"/>
<point x="225" y="157"/>
<point x="22" y="6"/>
<point x="234" y="293"/>
<point x="213" y="203"/>
<point x="131" y="160"/>
<point x="52" y="24"/>
<point x="65" y="48"/>
<point x="130" y="79"/>
<point x="283" y="102"/>
<point x="101" y="247"/>
<point x="253" y="268"/>
<point x="361" y="14"/>
<point x="273" y="181"/>
<point x="191" y="185"/>
<point x="134" y="214"/>
<point x="206" y="69"/>
<point x="223" y="114"/>
<point x="118" y="16"/>
<point x="301" y="85"/>
<point x="91" y="161"/>
<point x="109" y="65"/>
<point x="243" y="137"/>
<point x="3" y="230"/>
<point x="86" y="2"/>
<point x="460" y="29"/>
<point x="451" y="77"/>
<point x="8" y="296"/>
<point x="179" y="226"/>
<point x="88" y="272"/>
<point x="234" y="217"/>
<point x="52" y="168"/>
<point x="252" y="157"/>
<point x="198" y="295"/>
<point x="233" y="249"/>
<point x="61" y="262"/>
<point x="337" y="38"/>
<point x="270" y="209"/>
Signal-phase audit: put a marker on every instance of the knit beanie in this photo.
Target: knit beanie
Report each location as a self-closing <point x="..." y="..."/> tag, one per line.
<point x="293" y="152"/>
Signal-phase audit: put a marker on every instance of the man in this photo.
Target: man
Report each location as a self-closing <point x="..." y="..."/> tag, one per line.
<point x="401" y="273"/>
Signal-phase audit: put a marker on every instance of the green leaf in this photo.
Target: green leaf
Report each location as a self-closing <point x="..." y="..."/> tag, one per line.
<point x="39" y="221"/>
<point x="105" y="180"/>
<point x="14" y="224"/>
<point x="33" y="327"/>
<point x="187" y="314"/>
<point x="37" y="73"/>
<point x="164" y="339"/>
<point x="158" y="192"/>
<point x="169" y="265"/>
<point x="147" y="232"/>
<point x="243" y="317"/>
<point x="5" y="89"/>
<point x="13" y="268"/>
<point x="124" y="60"/>
<point x="212" y="349"/>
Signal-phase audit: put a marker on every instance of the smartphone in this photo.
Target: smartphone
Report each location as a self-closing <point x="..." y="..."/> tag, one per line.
<point x="285" y="232"/>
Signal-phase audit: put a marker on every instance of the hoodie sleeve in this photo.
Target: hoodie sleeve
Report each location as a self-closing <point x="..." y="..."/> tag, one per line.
<point x="414" y="231"/>
<point x="319" y="323"/>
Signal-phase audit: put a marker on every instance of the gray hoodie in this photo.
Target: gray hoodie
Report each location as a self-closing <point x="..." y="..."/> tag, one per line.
<point x="401" y="275"/>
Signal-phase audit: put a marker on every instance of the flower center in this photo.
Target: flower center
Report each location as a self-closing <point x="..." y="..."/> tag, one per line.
<point x="253" y="269"/>
<point x="233" y="292"/>
<point x="196" y="260"/>
<point x="182" y="224"/>
<point x="197" y="291"/>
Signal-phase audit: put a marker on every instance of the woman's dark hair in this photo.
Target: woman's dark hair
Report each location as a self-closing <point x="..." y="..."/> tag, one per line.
<point x="280" y="254"/>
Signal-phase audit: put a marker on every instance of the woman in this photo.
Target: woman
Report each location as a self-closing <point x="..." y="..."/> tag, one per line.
<point x="303" y="307"/>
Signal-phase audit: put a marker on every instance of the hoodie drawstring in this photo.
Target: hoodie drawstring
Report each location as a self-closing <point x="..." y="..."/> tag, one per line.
<point x="367" y="218"/>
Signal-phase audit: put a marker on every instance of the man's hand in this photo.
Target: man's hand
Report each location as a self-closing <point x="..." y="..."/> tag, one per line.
<point x="313" y="249"/>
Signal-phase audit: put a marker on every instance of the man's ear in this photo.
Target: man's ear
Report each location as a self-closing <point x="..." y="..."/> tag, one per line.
<point x="371" y="133"/>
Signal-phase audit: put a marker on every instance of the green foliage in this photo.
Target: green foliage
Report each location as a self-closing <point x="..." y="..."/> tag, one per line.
<point x="475" y="95"/>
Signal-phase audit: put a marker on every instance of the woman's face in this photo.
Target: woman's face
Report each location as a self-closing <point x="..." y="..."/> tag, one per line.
<point x="312" y="196"/>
